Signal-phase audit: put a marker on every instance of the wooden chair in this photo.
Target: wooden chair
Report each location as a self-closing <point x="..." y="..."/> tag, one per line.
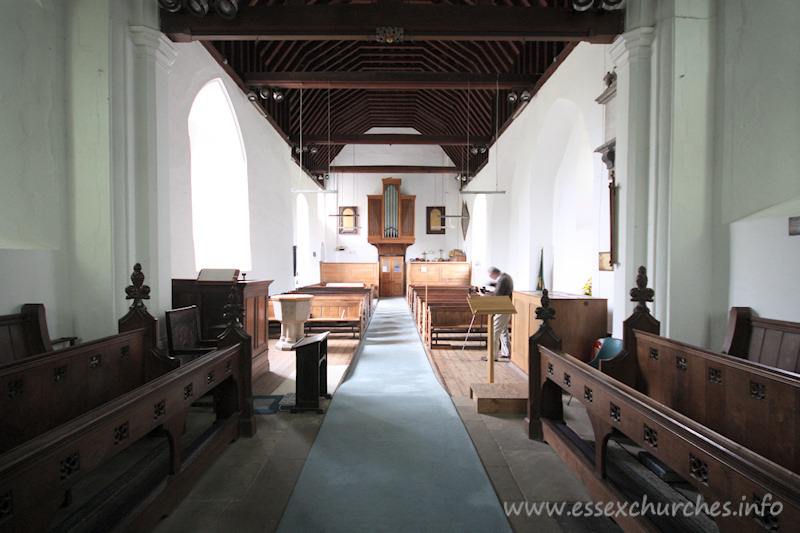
<point x="183" y="334"/>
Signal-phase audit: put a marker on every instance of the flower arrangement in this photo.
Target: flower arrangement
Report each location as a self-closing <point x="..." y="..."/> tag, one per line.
<point x="587" y="287"/>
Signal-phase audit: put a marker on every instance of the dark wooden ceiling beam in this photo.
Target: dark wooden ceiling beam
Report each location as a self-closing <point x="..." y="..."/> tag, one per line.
<point x="419" y="22"/>
<point x="389" y="169"/>
<point x="391" y="138"/>
<point x="388" y="80"/>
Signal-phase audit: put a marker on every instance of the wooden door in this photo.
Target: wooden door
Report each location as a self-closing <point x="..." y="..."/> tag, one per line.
<point x="391" y="275"/>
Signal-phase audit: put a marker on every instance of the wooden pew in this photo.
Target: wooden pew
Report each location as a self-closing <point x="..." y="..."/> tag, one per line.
<point x="676" y="416"/>
<point x="438" y="273"/>
<point x="366" y="273"/>
<point x="35" y="475"/>
<point x="25" y="334"/>
<point x="443" y="309"/>
<point x="719" y="468"/>
<point x="336" y="307"/>
<point x="761" y="404"/>
<point x="774" y="343"/>
<point x="47" y="390"/>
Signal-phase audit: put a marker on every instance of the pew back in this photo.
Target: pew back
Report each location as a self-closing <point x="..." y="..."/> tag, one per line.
<point x="24" y="334"/>
<point x="774" y="343"/>
<point x="366" y="273"/>
<point x="47" y="390"/>
<point x="719" y="468"/>
<point x="752" y="404"/>
<point x="35" y="475"/>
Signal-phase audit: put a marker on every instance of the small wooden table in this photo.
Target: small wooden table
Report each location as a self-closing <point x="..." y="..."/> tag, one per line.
<point x="312" y="372"/>
<point x="491" y="305"/>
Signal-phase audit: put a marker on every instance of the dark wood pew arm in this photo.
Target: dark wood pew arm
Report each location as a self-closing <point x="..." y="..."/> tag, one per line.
<point x="65" y="340"/>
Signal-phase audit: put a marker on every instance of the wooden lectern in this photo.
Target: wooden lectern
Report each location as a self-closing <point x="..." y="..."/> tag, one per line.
<point x="491" y="305"/>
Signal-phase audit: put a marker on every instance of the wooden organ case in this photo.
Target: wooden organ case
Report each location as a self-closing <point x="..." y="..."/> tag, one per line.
<point x="391" y="230"/>
<point x="391" y="219"/>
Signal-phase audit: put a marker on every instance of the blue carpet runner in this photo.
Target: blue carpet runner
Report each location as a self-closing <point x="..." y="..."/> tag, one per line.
<point x="392" y="453"/>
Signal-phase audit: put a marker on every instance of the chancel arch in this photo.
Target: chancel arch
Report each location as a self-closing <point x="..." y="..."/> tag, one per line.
<point x="219" y="184"/>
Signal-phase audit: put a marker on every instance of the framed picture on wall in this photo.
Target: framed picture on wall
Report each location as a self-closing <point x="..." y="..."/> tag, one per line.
<point x="348" y="220"/>
<point x="434" y="220"/>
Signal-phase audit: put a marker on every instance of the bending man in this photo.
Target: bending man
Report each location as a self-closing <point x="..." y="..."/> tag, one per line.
<point x="504" y="286"/>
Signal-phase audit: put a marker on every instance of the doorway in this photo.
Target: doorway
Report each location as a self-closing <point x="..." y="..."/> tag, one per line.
<point x="392" y="275"/>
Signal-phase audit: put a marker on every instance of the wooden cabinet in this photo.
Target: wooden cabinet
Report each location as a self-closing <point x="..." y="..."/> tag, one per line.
<point x="580" y="320"/>
<point x="210" y="298"/>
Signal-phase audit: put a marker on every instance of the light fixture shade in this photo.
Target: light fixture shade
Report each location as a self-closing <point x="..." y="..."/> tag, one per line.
<point x="226" y="9"/>
<point x="173" y="6"/>
<point x="582" y="5"/>
<point x="277" y="96"/>
<point x="198" y="8"/>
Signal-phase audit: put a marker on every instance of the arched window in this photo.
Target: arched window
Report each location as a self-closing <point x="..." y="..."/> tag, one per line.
<point x="220" y="205"/>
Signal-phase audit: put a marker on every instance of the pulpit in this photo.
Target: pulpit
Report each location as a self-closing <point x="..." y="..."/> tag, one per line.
<point x="210" y="298"/>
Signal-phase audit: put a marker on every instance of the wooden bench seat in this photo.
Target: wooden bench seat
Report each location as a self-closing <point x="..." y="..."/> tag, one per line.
<point x="774" y="343"/>
<point x="719" y="468"/>
<point x="70" y="411"/>
<point x="726" y="425"/>
<point x="25" y="334"/>
<point x="337" y="308"/>
<point x="443" y="309"/>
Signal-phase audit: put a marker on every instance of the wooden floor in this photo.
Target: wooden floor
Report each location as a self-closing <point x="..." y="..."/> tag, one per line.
<point x="282" y="364"/>
<point x="459" y="371"/>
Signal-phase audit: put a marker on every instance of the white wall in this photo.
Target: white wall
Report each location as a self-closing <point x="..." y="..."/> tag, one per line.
<point x="554" y="185"/>
<point x="763" y="263"/>
<point x="271" y="174"/>
<point x="758" y="69"/>
<point x="756" y="160"/>
<point x="33" y="267"/>
<point x="32" y="150"/>
<point x="429" y="189"/>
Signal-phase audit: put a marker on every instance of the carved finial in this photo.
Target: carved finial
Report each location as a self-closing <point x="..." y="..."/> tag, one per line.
<point x="641" y="293"/>
<point x="545" y="313"/>
<point x="233" y="311"/>
<point x="138" y="291"/>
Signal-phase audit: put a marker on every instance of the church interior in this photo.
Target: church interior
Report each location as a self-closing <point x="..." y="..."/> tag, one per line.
<point x="245" y="248"/>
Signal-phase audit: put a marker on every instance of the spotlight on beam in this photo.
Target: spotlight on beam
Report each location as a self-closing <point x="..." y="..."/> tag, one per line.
<point x="265" y="93"/>
<point x="610" y="5"/>
<point x="277" y="96"/>
<point x="474" y="150"/>
<point x="313" y="150"/>
<point x="582" y="5"/>
<point x="512" y="97"/>
<point x="198" y="8"/>
<point x="226" y="9"/>
<point x="173" y="6"/>
<point x="252" y="96"/>
<point x="525" y="96"/>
